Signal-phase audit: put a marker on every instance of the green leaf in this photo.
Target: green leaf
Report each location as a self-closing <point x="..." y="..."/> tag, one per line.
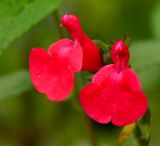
<point x="142" y="130"/>
<point x="145" y="54"/>
<point x="14" y="84"/>
<point x="155" y="20"/>
<point x="127" y="39"/>
<point x="125" y="133"/>
<point x="145" y="60"/>
<point x="105" y="48"/>
<point x="17" y="16"/>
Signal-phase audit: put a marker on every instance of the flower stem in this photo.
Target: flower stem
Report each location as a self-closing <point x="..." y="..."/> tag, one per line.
<point x="57" y="23"/>
<point x="90" y="131"/>
<point x="79" y="83"/>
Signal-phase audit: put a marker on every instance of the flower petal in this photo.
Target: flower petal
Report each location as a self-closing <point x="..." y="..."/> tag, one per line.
<point x="95" y="103"/>
<point x="103" y="73"/>
<point x="91" y="53"/>
<point x="69" y="52"/>
<point x="121" y="108"/>
<point x="92" y="58"/>
<point x="114" y="96"/>
<point x="108" y="76"/>
<point x="50" y="76"/>
<point x="128" y="107"/>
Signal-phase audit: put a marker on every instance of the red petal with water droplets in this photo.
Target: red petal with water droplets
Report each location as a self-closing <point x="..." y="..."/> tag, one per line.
<point x="50" y="76"/>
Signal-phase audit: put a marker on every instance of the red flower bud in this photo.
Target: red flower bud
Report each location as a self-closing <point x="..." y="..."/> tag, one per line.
<point x="52" y="71"/>
<point x="120" y="53"/>
<point x="91" y="53"/>
<point x="115" y="95"/>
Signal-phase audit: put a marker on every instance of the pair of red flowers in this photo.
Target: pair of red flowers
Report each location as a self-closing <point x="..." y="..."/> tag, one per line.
<point x="114" y="95"/>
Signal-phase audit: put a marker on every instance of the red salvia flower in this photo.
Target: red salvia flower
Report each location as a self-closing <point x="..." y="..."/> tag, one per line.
<point x="91" y="53"/>
<point x="52" y="71"/>
<point x="115" y="95"/>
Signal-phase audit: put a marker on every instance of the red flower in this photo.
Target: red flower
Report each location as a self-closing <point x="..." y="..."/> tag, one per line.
<point x="52" y="72"/>
<point x="91" y="53"/>
<point x="115" y="91"/>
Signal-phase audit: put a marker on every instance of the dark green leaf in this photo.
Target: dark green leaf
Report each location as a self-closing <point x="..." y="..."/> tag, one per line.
<point x="142" y="130"/>
<point x="105" y="48"/>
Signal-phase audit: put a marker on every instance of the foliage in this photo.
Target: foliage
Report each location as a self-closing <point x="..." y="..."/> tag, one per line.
<point x="17" y="16"/>
<point x="15" y="83"/>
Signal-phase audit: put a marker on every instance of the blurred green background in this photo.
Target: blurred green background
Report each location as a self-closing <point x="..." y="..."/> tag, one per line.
<point x="30" y="119"/>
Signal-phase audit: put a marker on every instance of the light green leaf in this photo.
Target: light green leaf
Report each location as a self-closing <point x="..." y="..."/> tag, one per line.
<point x="17" y="16"/>
<point x="156" y="20"/>
<point x="14" y="84"/>
<point x="145" y="60"/>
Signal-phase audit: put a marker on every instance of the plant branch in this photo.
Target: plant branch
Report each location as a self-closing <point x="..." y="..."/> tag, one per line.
<point x="57" y="23"/>
<point x="88" y="125"/>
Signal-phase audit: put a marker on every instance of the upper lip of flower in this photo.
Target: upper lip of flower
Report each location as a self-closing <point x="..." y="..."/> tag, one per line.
<point x="120" y="55"/>
<point x="69" y="20"/>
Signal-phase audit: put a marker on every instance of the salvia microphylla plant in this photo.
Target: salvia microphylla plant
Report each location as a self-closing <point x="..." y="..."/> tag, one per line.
<point x="114" y="94"/>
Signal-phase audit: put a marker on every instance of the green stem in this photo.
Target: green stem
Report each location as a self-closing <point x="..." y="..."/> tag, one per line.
<point x="89" y="128"/>
<point x="78" y="85"/>
<point x="57" y="23"/>
<point x="90" y="131"/>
